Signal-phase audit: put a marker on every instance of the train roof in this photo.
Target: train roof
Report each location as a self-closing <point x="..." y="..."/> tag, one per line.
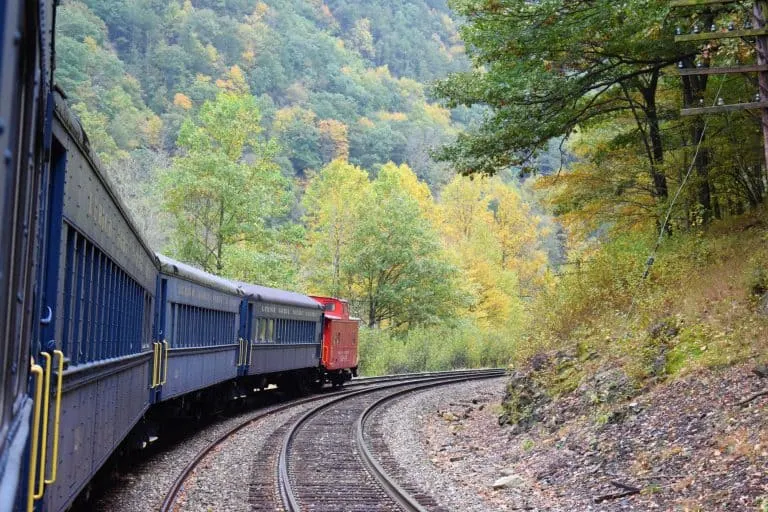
<point x="72" y="125"/>
<point x="264" y="293"/>
<point x="176" y="268"/>
<point x="267" y="294"/>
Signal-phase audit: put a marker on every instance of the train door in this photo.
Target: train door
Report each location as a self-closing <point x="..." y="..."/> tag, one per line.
<point x="246" y="338"/>
<point x="162" y="338"/>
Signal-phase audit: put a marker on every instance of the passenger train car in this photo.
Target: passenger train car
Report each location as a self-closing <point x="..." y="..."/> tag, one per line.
<point x="25" y="81"/>
<point x="101" y="337"/>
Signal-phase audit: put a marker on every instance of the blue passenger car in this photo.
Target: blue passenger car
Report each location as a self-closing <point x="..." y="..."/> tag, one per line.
<point x="283" y="330"/>
<point x="197" y="322"/>
<point x="98" y="282"/>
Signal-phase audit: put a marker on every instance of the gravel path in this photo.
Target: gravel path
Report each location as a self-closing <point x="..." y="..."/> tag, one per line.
<point x="462" y="481"/>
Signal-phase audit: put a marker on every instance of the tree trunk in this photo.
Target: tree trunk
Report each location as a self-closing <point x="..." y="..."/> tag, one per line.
<point x="654" y="134"/>
<point x="693" y="91"/>
<point x="220" y="241"/>
<point x="371" y="307"/>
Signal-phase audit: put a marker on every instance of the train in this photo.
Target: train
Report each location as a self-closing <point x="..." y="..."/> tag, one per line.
<point x="102" y="336"/>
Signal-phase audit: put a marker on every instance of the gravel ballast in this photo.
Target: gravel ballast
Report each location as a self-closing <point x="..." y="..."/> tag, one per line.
<point x="220" y="483"/>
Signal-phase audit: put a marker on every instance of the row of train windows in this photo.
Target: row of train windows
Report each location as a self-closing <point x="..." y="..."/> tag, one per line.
<point x="106" y="313"/>
<point x="193" y="326"/>
<point x="280" y="330"/>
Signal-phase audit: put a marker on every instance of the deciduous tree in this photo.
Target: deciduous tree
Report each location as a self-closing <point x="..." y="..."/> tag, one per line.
<point x="224" y="189"/>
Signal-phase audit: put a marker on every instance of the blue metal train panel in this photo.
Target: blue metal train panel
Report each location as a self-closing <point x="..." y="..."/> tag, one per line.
<point x="279" y="358"/>
<point x="99" y="287"/>
<point x="198" y="316"/>
<point x="25" y="73"/>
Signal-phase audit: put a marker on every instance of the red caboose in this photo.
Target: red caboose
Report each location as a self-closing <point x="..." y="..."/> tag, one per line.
<point x="339" y="353"/>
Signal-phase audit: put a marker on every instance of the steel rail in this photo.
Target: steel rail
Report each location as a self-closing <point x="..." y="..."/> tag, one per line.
<point x="172" y="494"/>
<point x="403" y="497"/>
<point x="291" y="503"/>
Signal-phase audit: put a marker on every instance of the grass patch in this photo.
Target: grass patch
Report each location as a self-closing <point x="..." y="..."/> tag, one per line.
<point x="702" y="306"/>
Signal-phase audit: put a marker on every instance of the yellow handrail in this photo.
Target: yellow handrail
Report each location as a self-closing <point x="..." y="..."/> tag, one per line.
<point x="155" y="364"/>
<point x="57" y="418"/>
<point x="165" y="370"/>
<point x="44" y="439"/>
<point x="37" y="371"/>
<point x="159" y="367"/>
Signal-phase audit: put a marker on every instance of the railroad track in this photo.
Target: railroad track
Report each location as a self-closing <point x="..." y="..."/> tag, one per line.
<point x="264" y="493"/>
<point x="326" y="463"/>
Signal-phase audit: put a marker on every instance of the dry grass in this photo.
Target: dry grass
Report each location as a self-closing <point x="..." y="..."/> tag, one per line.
<point x="701" y="284"/>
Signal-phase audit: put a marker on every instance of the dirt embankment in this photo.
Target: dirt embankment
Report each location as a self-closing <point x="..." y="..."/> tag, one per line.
<point x="697" y="444"/>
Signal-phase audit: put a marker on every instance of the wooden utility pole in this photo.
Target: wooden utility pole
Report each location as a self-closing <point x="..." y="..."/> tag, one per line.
<point x="758" y="15"/>
<point x="759" y="31"/>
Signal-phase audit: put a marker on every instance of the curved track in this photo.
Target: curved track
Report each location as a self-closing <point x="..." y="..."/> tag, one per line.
<point x="265" y="480"/>
<point x="326" y="464"/>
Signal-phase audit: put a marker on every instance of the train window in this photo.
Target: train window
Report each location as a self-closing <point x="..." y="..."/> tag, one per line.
<point x="270" y="330"/>
<point x="105" y="310"/>
<point x="193" y="326"/>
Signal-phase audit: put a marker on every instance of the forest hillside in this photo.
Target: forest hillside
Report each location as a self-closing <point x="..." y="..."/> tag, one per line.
<point x="289" y="143"/>
<point x="489" y="183"/>
<point x="330" y="79"/>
